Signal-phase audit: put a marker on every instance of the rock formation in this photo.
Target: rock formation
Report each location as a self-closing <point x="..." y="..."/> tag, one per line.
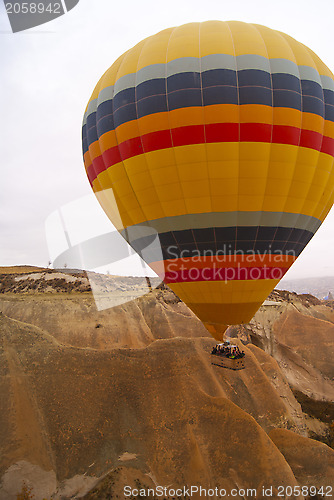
<point x="96" y="400"/>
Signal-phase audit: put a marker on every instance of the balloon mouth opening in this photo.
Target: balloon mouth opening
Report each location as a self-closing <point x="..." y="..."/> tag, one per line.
<point x="217" y="330"/>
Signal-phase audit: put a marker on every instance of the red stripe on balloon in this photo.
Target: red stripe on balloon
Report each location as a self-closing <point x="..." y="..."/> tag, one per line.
<point x="91" y="173"/>
<point x="111" y="156"/>
<point x="224" y="274"/>
<point x="211" y="133"/>
<point x="161" y="139"/>
<point x="285" y="134"/>
<point x="98" y="165"/>
<point x="222" y="132"/>
<point x="328" y="146"/>
<point x="255" y="132"/>
<point x="131" y="147"/>
<point x="193" y="134"/>
<point x="311" y="139"/>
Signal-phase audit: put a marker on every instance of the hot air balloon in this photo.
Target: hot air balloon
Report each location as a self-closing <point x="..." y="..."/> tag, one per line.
<point x="217" y="138"/>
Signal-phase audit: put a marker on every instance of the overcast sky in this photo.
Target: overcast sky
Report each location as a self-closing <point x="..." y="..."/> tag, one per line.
<point x="47" y="76"/>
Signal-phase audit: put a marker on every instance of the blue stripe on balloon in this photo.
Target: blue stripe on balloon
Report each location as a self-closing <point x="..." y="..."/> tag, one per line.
<point x="214" y="77"/>
<point x="284" y="81"/>
<point x="217" y="86"/>
<point x="328" y="97"/>
<point x="329" y="112"/>
<point x="250" y="77"/>
<point x="220" y="95"/>
<point x="209" y="241"/>
<point x="152" y="104"/>
<point x="151" y="87"/>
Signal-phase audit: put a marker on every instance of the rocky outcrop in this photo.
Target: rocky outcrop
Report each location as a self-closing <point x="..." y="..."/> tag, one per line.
<point x="311" y="462"/>
<point x="94" y="400"/>
<point x="78" y="411"/>
<point x="297" y="331"/>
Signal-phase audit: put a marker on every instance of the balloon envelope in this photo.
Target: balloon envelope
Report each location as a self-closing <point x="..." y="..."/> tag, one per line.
<point x="218" y="137"/>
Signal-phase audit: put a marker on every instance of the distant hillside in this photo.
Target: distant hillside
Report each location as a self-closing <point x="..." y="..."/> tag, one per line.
<point x="20" y="269"/>
<point x="315" y="286"/>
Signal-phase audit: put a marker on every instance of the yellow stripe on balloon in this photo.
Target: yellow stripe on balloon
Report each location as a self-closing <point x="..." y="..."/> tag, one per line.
<point x="224" y="181"/>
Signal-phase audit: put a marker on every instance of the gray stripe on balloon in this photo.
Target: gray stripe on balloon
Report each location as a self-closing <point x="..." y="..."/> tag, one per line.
<point x="309" y="73"/>
<point x="224" y="219"/>
<point x="106" y="94"/>
<point x="327" y="82"/>
<point x="217" y="61"/>
<point x="207" y="63"/>
<point x="159" y="71"/>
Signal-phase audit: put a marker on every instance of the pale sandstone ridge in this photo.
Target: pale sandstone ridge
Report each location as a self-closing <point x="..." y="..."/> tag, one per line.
<point x="72" y="316"/>
<point x="163" y="405"/>
<point x="298" y="331"/>
<point x="129" y="395"/>
<point x="311" y="462"/>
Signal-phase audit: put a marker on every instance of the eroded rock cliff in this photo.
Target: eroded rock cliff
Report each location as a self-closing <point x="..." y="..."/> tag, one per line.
<point x="129" y="395"/>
